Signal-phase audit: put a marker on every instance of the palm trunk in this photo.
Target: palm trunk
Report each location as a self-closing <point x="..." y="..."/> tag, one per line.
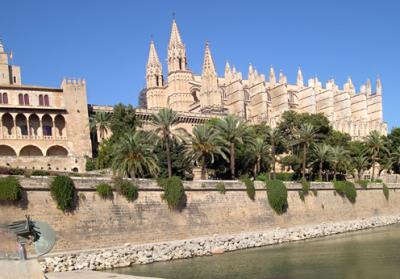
<point x="373" y="166"/>
<point x="359" y="175"/>
<point x="232" y="159"/>
<point x="273" y="162"/>
<point x="203" y="170"/>
<point x="133" y="174"/>
<point x="169" y="158"/>
<point x="304" y="161"/>
<point x="321" y="163"/>
<point x="334" y="171"/>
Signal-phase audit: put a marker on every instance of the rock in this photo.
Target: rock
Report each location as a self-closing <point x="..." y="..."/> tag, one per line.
<point x="217" y="250"/>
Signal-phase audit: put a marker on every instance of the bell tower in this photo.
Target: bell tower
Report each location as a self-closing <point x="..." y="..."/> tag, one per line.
<point x="156" y="97"/>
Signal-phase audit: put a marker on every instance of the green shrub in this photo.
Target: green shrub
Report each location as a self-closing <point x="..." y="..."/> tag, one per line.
<point x="10" y="190"/>
<point x="174" y="192"/>
<point x="104" y="190"/>
<point x="127" y="189"/>
<point x="363" y="183"/>
<point x="40" y="173"/>
<point x="220" y="187"/>
<point x="63" y="192"/>
<point x="386" y="191"/>
<point x="304" y="189"/>
<point x="285" y="176"/>
<point x="16" y="171"/>
<point x="262" y="177"/>
<point x="250" y="189"/>
<point x="347" y="189"/>
<point x="90" y="164"/>
<point x="301" y="195"/>
<point x="378" y="180"/>
<point x="277" y="196"/>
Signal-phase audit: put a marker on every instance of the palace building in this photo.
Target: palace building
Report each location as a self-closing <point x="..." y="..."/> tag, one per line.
<point x="42" y="128"/>
<point x="257" y="99"/>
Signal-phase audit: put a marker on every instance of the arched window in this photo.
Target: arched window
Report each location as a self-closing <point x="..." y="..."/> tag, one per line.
<point x="46" y="100"/>
<point x="40" y="100"/>
<point x="26" y="100"/>
<point x="1" y="98"/>
<point x="5" y="98"/>
<point x="180" y="63"/>
<point x="21" y="99"/>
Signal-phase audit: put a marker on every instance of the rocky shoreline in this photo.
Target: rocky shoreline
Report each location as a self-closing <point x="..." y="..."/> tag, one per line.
<point x="129" y="254"/>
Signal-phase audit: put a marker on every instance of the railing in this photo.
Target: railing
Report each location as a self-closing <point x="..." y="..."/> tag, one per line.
<point x="32" y="137"/>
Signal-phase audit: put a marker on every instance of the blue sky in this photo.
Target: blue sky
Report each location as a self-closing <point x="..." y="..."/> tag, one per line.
<point x="106" y="42"/>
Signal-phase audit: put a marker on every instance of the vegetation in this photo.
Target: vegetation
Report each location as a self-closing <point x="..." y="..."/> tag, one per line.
<point x="40" y="173"/>
<point x="386" y="191"/>
<point x="126" y="188"/>
<point x="104" y="190"/>
<point x="250" y="189"/>
<point x="10" y="190"/>
<point x="220" y="187"/>
<point x="363" y="183"/>
<point x="174" y="192"/>
<point x="346" y="189"/>
<point x="277" y="196"/>
<point x="63" y="192"/>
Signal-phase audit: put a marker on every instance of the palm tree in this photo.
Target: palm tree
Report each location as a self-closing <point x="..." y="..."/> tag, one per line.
<point x="305" y="136"/>
<point x="206" y="142"/>
<point x="322" y="152"/>
<point x="234" y="131"/>
<point x="360" y="164"/>
<point x="259" y="150"/>
<point x="100" y="121"/>
<point x="164" y="122"/>
<point x="375" y="143"/>
<point x="395" y="155"/>
<point x="339" y="156"/>
<point x="133" y="154"/>
<point x="274" y="138"/>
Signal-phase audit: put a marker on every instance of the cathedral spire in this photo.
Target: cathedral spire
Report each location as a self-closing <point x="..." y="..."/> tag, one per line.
<point x="154" y="76"/>
<point x="378" y="86"/>
<point x="208" y="64"/>
<point x="176" y="51"/>
<point x="153" y="57"/>
<point x="369" y="87"/>
<point x="300" y="81"/>
<point x="272" y="78"/>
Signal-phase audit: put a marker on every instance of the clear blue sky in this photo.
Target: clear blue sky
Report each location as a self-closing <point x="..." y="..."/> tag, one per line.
<point x="106" y="42"/>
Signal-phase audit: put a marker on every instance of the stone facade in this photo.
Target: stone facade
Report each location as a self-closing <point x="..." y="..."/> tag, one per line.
<point x="257" y="99"/>
<point x="41" y="127"/>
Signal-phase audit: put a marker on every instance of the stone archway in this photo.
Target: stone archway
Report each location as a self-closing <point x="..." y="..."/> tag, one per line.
<point x="47" y="125"/>
<point x="34" y="125"/>
<point x="57" y="150"/>
<point x="6" y="150"/>
<point x="59" y="123"/>
<point x="30" y="150"/>
<point x="22" y="124"/>
<point x="7" y="122"/>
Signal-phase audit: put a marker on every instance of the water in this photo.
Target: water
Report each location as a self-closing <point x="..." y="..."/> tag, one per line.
<point x="368" y="254"/>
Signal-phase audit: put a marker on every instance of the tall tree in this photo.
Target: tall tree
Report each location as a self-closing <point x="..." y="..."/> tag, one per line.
<point x="259" y="150"/>
<point x="123" y="119"/>
<point x="205" y="143"/>
<point x="234" y="131"/>
<point x="100" y="122"/>
<point x="165" y="122"/>
<point x="305" y="136"/>
<point x="322" y="153"/>
<point x="360" y="163"/>
<point x="339" y="156"/>
<point x="133" y="154"/>
<point x="375" y="143"/>
<point x="274" y="138"/>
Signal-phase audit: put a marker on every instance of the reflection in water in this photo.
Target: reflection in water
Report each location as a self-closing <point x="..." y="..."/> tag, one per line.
<point x="369" y="254"/>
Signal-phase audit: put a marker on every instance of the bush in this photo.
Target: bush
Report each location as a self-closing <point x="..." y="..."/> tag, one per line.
<point x="104" y="190"/>
<point x="378" y="180"/>
<point x="262" y="177"/>
<point x="127" y="189"/>
<point x="10" y="190"/>
<point x="90" y="164"/>
<point x="277" y="196"/>
<point x="250" y="189"/>
<point x="347" y="189"/>
<point x="386" y="191"/>
<point x="363" y="183"/>
<point x="174" y="192"/>
<point x="220" y="187"/>
<point x="63" y="192"/>
<point x="305" y="188"/>
<point x="285" y="176"/>
<point x="16" y="171"/>
<point x="40" y="173"/>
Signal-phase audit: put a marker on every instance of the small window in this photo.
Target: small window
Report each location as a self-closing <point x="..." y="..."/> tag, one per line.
<point x="21" y="99"/>
<point x="26" y="99"/>
<point x="5" y="98"/>
<point x="15" y="80"/>
<point x="46" y="100"/>
<point x="1" y="98"/>
<point x="40" y="100"/>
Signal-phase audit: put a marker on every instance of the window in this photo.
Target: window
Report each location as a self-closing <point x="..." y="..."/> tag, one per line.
<point x="26" y="99"/>
<point x="21" y="99"/>
<point x="5" y="98"/>
<point x="46" y="101"/>
<point x="1" y="98"/>
<point x="40" y="100"/>
<point x="15" y="80"/>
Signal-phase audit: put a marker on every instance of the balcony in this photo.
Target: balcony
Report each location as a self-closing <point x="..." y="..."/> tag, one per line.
<point x="31" y="137"/>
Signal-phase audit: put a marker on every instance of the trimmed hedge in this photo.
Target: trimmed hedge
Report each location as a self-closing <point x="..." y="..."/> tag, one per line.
<point x="174" y="192"/>
<point x="10" y="189"/>
<point x="127" y="189"/>
<point x="250" y="189"/>
<point x="277" y="196"/>
<point x="385" y="191"/>
<point x="63" y="192"/>
<point x="104" y="190"/>
<point x="363" y="183"/>
<point x="40" y="173"/>
<point x="346" y="189"/>
<point x="220" y="187"/>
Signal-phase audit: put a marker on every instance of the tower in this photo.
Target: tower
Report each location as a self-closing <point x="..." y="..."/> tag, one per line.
<point x="156" y="97"/>
<point x="9" y="74"/>
<point x="176" y="51"/>
<point x="210" y="96"/>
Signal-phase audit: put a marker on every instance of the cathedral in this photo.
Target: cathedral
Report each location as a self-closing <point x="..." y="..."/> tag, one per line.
<point x="257" y="99"/>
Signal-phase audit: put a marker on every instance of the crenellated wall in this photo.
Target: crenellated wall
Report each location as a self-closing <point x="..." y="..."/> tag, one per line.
<point x="102" y="223"/>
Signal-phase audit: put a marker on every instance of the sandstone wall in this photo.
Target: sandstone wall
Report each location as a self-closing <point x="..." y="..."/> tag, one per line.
<point x="101" y="223"/>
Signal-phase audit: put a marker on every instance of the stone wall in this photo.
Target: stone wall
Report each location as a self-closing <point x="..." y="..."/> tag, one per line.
<point x="98" y="223"/>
